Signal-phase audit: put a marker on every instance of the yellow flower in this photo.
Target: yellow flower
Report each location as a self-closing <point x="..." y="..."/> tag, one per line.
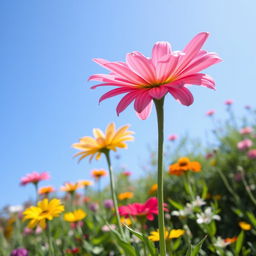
<point x="85" y="183"/>
<point x="174" y="233"/>
<point x="101" y="143"/>
<point x="44" y="211"/>
<point x="244" y="225"/>
<point x="153" y="189"/>
<point x="75" y="216"/>
<point x="184" y="164"/>
<point x="126" y="221"/>
<point x="125" y="195"/>
<point x="70" y="187"/>
<point x="45" y="190"/>
<point x="98" y="173"/>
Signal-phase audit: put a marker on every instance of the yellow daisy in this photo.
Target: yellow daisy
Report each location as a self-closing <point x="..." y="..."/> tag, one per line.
<point x="44" y="211"/>
<point x="174" y="233"/>
<point x="85" y="183"/>
<point x="75" y="216"/>
<point x="102" y="143"/>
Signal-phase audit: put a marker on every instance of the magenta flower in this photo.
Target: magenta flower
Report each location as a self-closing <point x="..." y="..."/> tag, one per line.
<point x="228" y="102"/>
<point x="19" y="252"/>
<point x="172" y="137"/>
<point x="34" y="178"/>
<point x="127" y="173"/>
<point x="148" y="209"/>
<point x="246" y="130"/>
<point x="210" y="112"/>
<point x="244" y="144"/>
<point x="143" y="79"/>
<point x="252" y="154"/>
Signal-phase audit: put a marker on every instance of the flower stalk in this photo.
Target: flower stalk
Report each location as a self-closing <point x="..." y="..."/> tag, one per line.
<point x="113" y="192"/>
<point x="159" y="104"/>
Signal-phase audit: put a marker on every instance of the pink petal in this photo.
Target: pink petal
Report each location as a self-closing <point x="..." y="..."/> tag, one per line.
<point x="146" y="112"/>
<point x="158" y="92"/>
<point x="114" y="92"/>
<point x="122" y="70"/>
<point x="159" y="50"/>
<point x="183" y="95"/>
<point x="191" y="50"/>
<point x="150" y="217"/>
<point x="165" y="67"/>
<point x="142" y="100"/>
<point x="196" y="79"/>
<point x="126" y="101"/>
<point x="142" y="66"/>
<point x="201" y="63"/>
<point x="111" y="79"/>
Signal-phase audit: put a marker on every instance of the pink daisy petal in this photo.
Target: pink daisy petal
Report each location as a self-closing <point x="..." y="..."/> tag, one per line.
<point x="158" y="92"/>
<point x="126" y="101"/>
<point x="159" y="50"/>
<point x="143" y="115"/>
<point x="183" y="95"/>
<point x="142" y="66"/>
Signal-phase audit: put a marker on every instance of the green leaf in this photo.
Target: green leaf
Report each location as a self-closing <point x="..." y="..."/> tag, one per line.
<point x="194" y="250"/>
<point x="238" y="212"/>
<point x="145" y="240"/>
<point x="205" y="190"/>
<point x="239" y="242"/>
<point x="252" y="218"/>
<point x="176" y="204"/>
<point x="128" y="249"/>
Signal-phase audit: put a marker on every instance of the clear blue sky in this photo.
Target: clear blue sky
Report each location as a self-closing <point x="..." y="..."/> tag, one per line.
<point x="46" y="49"/>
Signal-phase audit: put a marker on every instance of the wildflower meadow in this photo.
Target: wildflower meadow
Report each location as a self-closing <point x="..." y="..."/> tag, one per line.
<point x="196" y="197"/>
<point x="200" y="203"/>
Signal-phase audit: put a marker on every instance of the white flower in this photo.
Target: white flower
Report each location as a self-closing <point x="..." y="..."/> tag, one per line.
<point x="184" y="212"/>
<point x="220" y="243"/>
<point x="198" y="202"/>
<point x="15" y="208"/>
<point x="207" y="216"/>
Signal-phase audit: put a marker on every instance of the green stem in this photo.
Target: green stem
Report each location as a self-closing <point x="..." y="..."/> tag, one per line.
<point x="113" y="192"/>
<point x="228" y="187"/>
<point x="247" y="187"/>
<point x="48" y="232"/>
<point x="36" y="189"/>
<point x="159" y="104"/>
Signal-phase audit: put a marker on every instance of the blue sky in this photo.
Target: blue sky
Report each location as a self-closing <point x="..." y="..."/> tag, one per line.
<point x="46" y="49"/>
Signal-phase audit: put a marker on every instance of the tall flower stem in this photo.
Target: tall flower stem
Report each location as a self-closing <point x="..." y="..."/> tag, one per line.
<point x="159" y="104"/>
<point x="113" y="192"/>
<point x="48" y="233"/>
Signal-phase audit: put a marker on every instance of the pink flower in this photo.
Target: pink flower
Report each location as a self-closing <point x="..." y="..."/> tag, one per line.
<point x="143" y="79"/>
<point x="172" y="137"/>
<point x="244" y="144"/>
<point x="127" y="173"/>
<point x="246" y="130"/>
<point x="34" y="178"/>
<point x="148" y="209"/>
<point x="210" y="112"/>
<point x="252" y="154"/>
<point x="228" y="102"/>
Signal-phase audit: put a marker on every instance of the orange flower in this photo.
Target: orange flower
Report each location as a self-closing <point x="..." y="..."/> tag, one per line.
<point x="230" y="240"/>
<point x="244" y="225"/>
<point x="70" y="187"/>
<point x="85" y="183"/>
<point x="153" y="189"/>
<point x="97" y="174"/>
<point x="45" y="190"/>
<point x="126" y="221"/>
<point x="184" y="164"/>
<point x="125" y="195"/>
